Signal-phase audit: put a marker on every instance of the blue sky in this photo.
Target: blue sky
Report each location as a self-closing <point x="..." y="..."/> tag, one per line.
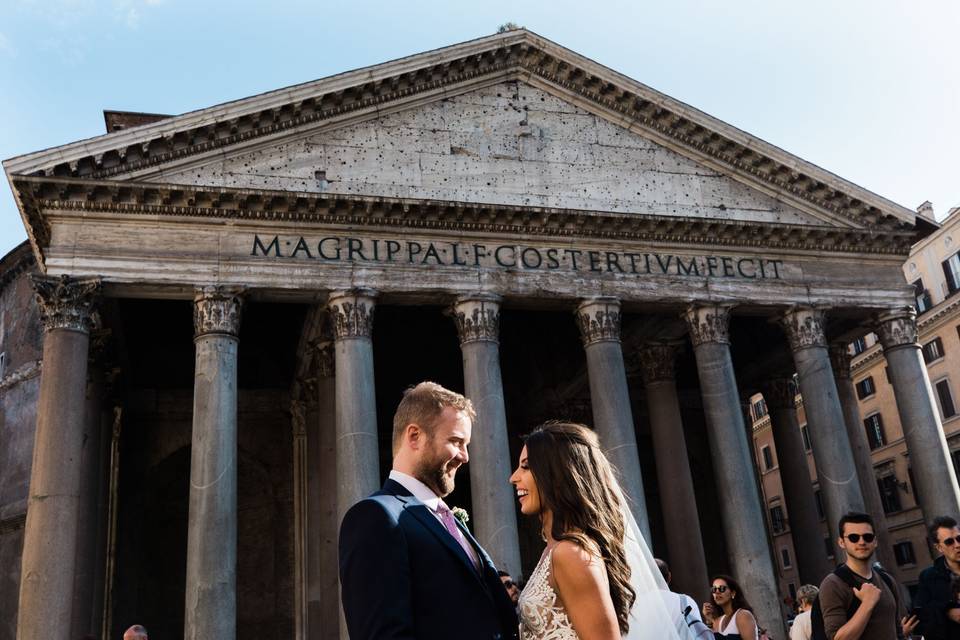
<point x="867" y="90"/>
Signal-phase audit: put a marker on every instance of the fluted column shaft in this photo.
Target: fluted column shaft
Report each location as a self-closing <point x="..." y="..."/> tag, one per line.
<point x="599" y="322"/>
<point x="929" y="454"/>
<point x="358" y="454"/>
<point x="836" y="471"/>
<point x="211" y="586"/>
<point x="840" y="360"/>
<point x="741" y="508"/>
<point x="780" y="395"/>
<point x="494" y="505"/>
<point x="48" y="564"/>
<point x="681" y="521"/>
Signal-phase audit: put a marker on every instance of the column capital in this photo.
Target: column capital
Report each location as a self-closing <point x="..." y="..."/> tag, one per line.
<point x="65" y="302"/>
<point x="599" y="320"/>
<point x="657" y="360"/>
<point x="216" y="310"/>
<point x="708" y="323"/>
<point x="840" y="360"/>
<point x="780" y="392"/>
<point x="804" y="327"/>
<point x="351" y="313"/>
<point x="897" y="328"/>
<point x="477" y="318"/>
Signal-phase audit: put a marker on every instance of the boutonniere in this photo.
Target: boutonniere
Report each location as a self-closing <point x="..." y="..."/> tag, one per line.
<point x="461" y="514"/>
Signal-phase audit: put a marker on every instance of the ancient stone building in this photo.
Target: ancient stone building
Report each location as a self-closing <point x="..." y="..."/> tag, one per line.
<point x="233" y="300"/>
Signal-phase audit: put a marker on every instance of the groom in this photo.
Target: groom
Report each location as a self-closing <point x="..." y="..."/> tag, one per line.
<point x="408" y="568"/>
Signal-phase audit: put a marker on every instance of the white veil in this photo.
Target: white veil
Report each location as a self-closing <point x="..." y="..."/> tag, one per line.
<point x="651" y="618"/>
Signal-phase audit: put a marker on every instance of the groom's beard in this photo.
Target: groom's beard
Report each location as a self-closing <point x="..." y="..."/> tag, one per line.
<point x="438" y="474"/>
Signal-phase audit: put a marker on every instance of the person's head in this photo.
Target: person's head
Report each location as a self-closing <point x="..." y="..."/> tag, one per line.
<point x="513" y="589"/>
<point x="564" y="478"/>
<point x="136" y="632"/>
<point x="944" y="535"/>
<point x="857" y="536"/>
<point x="726" y="592"/>
<point x="664" y="570"/>
<point x="806" y="595"/>
<point x="431" y="431"/>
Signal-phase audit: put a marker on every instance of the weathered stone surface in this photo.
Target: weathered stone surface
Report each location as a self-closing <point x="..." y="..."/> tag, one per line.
<point x="510" y="143"/>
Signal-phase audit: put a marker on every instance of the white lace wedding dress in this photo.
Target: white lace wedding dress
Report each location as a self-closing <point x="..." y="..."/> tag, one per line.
<point x="541" y="616"/>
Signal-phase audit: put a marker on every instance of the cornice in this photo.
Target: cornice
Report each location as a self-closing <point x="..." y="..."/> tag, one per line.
<point x="516" y="54"/>
<point x="41" y="195"/>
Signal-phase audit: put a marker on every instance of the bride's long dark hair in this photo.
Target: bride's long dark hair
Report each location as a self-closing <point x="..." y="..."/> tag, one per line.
<point x="577" y="485"/>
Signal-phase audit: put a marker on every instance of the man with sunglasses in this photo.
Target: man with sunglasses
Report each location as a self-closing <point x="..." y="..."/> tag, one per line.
<point x="936" y="597"/>
<point x="860" y="601"/>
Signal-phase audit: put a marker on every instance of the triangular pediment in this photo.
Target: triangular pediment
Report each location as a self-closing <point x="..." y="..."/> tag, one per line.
<point x="598" y="141"/>
<point x="507" y="144"/>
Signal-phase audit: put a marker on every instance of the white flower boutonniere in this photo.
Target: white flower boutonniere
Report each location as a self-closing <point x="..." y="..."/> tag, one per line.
<point x="461" y="514"/>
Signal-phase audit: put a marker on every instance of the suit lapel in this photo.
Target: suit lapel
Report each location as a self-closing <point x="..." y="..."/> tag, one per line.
<point x="422" y="513"/>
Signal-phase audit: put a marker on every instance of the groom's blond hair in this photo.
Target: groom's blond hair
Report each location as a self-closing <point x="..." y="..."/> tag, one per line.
<point x="422" y="404"/>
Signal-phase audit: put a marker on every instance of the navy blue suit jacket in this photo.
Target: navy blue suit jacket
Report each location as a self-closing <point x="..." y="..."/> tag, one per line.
<point x="403" y="576"/>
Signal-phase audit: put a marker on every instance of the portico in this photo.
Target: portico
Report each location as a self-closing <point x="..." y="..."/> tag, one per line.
<point x="506" y="217"/>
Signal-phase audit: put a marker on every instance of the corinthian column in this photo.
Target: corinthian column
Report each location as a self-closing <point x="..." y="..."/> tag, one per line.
<point x="781" y="397"/>
<point x="929" y="455"/>
<point x="832" y="454"/>
<point x="358" y="455"/>
<point x="599" y="322"/>
<point x="741" y="508"/>
<point x="478" y="325"/>
<point x="48" y="564"/>
<point x="840" y="361"/>
<point x="681" y="522"/>
<point x="211" y="593"/>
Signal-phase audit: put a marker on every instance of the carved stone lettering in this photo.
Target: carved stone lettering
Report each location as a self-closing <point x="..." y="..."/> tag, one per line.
<point x="66" y="303"/>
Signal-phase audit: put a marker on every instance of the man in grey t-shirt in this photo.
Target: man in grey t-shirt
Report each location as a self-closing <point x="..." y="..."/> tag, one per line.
<point x="683" y="607"/>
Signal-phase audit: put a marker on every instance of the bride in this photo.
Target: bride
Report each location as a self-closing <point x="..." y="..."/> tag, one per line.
<point x="596" y="579"/>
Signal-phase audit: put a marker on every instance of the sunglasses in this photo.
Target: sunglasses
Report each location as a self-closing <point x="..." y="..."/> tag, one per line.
<point x="509" y="584"/>
<point x="718" y="589"/>
<point x="855" y="537"/>
<point x="949" y="542"/>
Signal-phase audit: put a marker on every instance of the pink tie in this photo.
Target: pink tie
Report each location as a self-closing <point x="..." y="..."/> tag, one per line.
<point x="450" y="524"/>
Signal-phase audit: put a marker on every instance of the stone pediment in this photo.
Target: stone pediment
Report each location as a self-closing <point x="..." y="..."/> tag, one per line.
<point x="629" y="148"/>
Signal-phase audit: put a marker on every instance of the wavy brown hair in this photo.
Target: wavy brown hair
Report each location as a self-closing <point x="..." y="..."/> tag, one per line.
<point x="577" y="485"/>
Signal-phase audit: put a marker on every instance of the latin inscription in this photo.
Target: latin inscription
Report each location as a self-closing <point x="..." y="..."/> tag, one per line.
<point x="512" y="256"/>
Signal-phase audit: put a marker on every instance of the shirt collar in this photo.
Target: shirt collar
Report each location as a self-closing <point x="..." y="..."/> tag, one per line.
<point x="420" y="491"/>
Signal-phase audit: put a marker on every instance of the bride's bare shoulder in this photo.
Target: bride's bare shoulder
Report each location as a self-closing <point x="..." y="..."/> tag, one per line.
<point x="571" y="558"/>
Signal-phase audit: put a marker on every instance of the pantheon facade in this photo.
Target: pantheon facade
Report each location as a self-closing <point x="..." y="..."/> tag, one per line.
<point x="229" y="303"/>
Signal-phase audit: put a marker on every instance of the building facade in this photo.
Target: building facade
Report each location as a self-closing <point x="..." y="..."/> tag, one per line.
<point x="932" y="268"/>
<point x="233" y="300"/>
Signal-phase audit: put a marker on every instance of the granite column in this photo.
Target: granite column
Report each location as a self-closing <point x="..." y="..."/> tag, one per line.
<point x="48" y="564"/>
<point x="599" y="322"/>
<point x="929" y="455"/>
<point x="681" y="521"/>
<point x="836" y="471"/>
<point x="741" y="506"/>
<point x="494" y="506"/>
<point x="211" y="586"/>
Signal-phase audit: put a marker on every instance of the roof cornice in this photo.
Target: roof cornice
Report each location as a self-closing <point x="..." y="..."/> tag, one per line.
<point x="39" y="196"/>
<point x="517" y="53"/>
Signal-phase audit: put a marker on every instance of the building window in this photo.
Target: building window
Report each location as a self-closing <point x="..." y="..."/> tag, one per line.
<point x="874" y="427"/>
<point x="818" y="500"/>
<point x="903" y="552"/>
<point x="777" y="522"/>
<point x="947" y="410"/>
<point x="767" y="457"/>
<point x="866" y="388"/>
<point x="951" y="270"/>
<point x="805" y="435"/>
<point x="785" y="558"/>
<point x="922" y="297"/>
<point x="859" y="345"/>
<point x="759" y="409"/>
<point x="933" y="350"/>
<point x="889" y="493"/>
<point x="828" y="543"/>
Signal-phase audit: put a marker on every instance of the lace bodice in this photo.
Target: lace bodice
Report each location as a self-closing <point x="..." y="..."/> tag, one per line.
<point x="541" y="617"/>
